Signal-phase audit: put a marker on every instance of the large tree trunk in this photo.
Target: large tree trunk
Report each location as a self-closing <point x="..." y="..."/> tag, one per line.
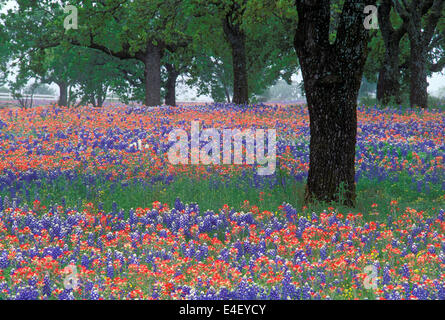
<point x="152" y="75"/>
<point x="170" y="95"/>
<point x="63" y="97"/>
<point x="418" y="74"/>
<point x="332" y="76"/>
<point x="237" y="41"/>
<point x="333" y="128"/>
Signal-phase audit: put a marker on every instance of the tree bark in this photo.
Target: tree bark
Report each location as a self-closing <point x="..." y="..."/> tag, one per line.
<point x="170" y="95"/>
<point x="240" y="81"/>
<point x="332" y="76"/>
<point x="333" y="127"/>
<point x="63" y="97"/>
<point x="237" y="41"/>
<point x="152" y="73"/>
<point x="418" y="74"/>
<point x="100" y="98"/>
<point x="388" y="84"/>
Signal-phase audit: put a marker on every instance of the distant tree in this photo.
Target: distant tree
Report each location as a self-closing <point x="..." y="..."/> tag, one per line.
<point x="389" y="75"/>
<point x="212" y="76"/>
<point x="389" y="58"/>
<point x="55" y="65"/>
<point x="83" y="75"/>
<point x="254" y="51"/>
<point x="176" y="62"/>
<point x="140" y="31"/>
<point x="24" y="94"/>
<point x="4" y="55"/>
<point x="229" y="15"/>
<point x="420" y="33"/>
<point x="236" y="37"/>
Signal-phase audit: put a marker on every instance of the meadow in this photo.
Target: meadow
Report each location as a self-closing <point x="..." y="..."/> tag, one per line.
<point x="74" y="191"/>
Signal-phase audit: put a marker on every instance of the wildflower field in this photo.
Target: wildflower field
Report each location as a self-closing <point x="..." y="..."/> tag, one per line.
<point x="76" y="192"/>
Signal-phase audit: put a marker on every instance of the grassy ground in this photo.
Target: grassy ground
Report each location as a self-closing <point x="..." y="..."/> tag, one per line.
<point x="213" y="194"/>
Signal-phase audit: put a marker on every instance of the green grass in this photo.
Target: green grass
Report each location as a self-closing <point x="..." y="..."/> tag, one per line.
<point x="233" y="193"/>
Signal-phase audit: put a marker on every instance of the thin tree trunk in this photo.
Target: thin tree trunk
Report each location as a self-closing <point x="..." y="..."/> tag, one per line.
<point x="170" y="95"/>
<point x="240" y="81"/>
<point x="332" y="76"/>
<point x="418" y="75"/>
<point x="227" y="94"/>
<point x="383" y="84"/>
<point x="100" y="98"/>
<point x="63" y="97"/>
<point x="388" y="84"/>
<point x="237" y="41"/>
<point x="152" y="75"/>
<point x="225" y="86"/>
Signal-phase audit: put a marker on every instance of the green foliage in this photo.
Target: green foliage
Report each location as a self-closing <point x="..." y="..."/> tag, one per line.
<point x="4" y="56"/>
<point x="23" y="91"/>
<point x="269" y="45"/>
<point x="119" y="28"/>
<point x="95" y="73"/>
<point x="190" y="33"/>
